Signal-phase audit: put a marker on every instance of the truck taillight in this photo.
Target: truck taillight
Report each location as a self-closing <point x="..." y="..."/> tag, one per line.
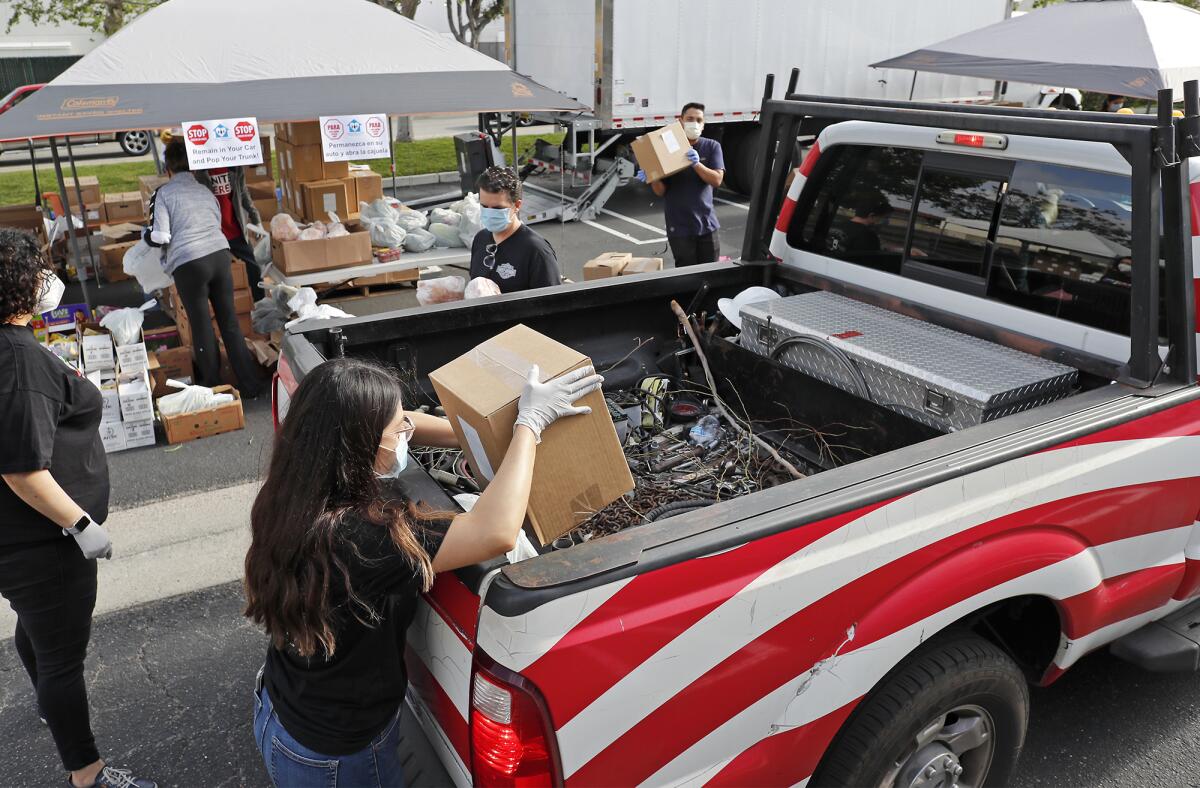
<point x="511" y="739"/>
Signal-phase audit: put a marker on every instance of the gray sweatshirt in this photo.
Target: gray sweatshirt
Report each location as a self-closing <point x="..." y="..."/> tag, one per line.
<point x="185" y="221"/>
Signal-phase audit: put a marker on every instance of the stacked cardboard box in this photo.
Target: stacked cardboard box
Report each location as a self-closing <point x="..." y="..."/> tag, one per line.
<point x="612" y="264"/>
<point x="147" y="185"/>
<point x="121" y="374"/>
<point x="312" y="187"/>
<point x="25" y="217"/>
<point x="243" y="303"/>
<point x="124" y="207"/>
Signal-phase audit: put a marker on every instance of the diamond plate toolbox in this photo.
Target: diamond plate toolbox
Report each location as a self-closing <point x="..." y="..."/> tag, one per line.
<point x="939" y="377"/>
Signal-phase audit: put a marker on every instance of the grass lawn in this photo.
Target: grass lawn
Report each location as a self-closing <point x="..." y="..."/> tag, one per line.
<point x="412" y="158"/>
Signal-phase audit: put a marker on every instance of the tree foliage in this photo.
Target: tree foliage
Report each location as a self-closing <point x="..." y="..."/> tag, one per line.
<point x="468" y="18"/>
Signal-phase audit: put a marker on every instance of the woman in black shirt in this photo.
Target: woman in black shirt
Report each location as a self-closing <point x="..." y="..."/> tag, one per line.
<point x="336" y="564"/>
<point x="55" y="485"/>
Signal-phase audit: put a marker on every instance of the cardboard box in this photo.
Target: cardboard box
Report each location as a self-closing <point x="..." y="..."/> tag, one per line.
<point x="662" y="152"/>
<point x="305" y="132"/>
<point x="120" y="233"/>
<point x="112" y="435"/>
<point x="139" y="433"/>
<point x="580" y="467"/>
<point x="173" y="364"/>
<point x="133" y="391"/>
<point x="88" y="184"/>
<point x="264" y="190"/>
<point x="322" y="198"/>
<point x="204" y="423"/>
<point x="368" y="187"/>
<point x="25" y="217"/>
<point x="642" y="265"/>
<point x="323" y="254"/>
<point x="94" y="215"/>
<point x="305" y="163"/>
<point x="159" y="339"/>
<point x="96" y="347"/>
<point x="147" y="185"/>
<point x="606" y="265"/>
<point x="112" y="257"/>
<point x="66" y="316"/>
<point x="267" y="207"/>
<point x="241" y="280"/>
<point x="121" y="206"/>
<point x="132" y="358"/>
<point x="106" y="382"/>
<point x="261" y="172"/>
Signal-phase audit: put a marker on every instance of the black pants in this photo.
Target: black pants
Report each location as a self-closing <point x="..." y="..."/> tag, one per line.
<point x="210" y="280"/>
<point x="240" y="248"/>
<point x="695" y="249"/>
<point x="52" y="589"/>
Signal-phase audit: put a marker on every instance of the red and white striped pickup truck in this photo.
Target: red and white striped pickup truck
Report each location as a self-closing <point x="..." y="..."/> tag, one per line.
<point x="880" y="620"/>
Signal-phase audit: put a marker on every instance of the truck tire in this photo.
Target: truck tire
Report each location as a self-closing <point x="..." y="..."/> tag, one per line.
<point x="953" y="713"/>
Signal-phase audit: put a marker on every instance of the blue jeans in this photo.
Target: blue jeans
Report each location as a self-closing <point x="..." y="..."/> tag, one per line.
<point x="292" y="765"/>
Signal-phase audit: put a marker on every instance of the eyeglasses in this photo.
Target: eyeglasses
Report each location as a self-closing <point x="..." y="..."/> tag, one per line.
<point x="489" y="257"/>
<point x="406" y="431"/>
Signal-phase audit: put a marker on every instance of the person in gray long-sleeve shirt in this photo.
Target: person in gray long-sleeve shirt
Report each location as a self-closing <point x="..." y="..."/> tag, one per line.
<point x="186" y="223"/>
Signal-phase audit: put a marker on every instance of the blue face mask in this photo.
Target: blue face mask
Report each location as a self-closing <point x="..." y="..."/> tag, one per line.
<point x="495" y="219"/>
<point x="400" y="462"/>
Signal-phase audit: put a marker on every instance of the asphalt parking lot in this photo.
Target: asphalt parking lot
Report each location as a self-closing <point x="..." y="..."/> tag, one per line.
<point x="172" y="661"/>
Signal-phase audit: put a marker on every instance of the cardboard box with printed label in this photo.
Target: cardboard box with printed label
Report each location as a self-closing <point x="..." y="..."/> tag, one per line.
<point x="106" y="382"/>
<point x="113" y="256"/>
<point x="139" y="433"/>
<point x="112" y="435"/>
<point x="94" y="214"/>
<point x="662" y="152"/>
<point x="606" y="265"/>
<point x="132" y="358"/>
<point x="137" y="404"/>
<point x="261" y="172"/>
<point x="322" y="198"/>
<point x="88" y="184"/>
<point x="642" y="265"/>
<point x="121" y="206"/>
<point x="368" y="187"/>
<point x="304" y="163"/>
<point x="580" y="467"/>
<point x="203" y="423"/>
<point x="96" y="347"/>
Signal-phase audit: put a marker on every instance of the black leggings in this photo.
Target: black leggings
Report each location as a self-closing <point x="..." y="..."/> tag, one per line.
<point x="695" y="249"/>
<point x="52" y="589"/>
<point x="201" y="281"/>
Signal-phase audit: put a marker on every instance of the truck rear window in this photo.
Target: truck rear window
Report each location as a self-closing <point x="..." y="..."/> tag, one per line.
<point x="1044" y="237"/>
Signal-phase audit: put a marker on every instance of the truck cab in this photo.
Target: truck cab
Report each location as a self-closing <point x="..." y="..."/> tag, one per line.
<point x="879" y="620"/>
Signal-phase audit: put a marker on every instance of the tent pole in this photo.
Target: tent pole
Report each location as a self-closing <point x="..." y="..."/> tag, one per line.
<point x="82" y="210"/>
<point x="158" y="166"/>
<point x="913" y="88"/>
<point x="513" y="163"/>
<point x="392" y="154"/>
<point x="37" y="189"/>
<point x="71" y="239"/>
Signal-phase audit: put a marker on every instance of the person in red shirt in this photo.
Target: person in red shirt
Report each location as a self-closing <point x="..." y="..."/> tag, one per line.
<point x="228" y="185"/>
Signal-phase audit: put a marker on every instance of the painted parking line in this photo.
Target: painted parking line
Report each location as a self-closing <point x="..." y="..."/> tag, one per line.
<point x="742" y="205"/>
<point x="624" y="236"/>
<point x="631" y="220"/>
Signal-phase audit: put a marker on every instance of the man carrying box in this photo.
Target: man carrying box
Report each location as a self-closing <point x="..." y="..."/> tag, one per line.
<point x="688" y="195"/>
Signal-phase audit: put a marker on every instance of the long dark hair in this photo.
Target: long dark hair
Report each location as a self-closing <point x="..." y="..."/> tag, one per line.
<point x="322" y="469"/>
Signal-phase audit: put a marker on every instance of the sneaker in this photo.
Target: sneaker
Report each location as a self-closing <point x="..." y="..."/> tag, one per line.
<point x="41" y="715"/>
<point x="118" y="778"/>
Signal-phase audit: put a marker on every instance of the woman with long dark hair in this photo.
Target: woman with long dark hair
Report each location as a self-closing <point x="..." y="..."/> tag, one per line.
<point x="338" y="559"/>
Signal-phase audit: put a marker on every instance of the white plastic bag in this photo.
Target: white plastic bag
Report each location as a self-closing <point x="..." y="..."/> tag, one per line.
<point x="470" y="224"/>
<point x="284" y="228"/>
<point x="418" y="240"/>
<point x="481" y="287"/>
<point x="411" y="220"/>
<point x="446" y="235"/>
<point x="441" y="290"/>
<point x="444" y="216"/>
<point x="379" y="209"/>
<point x="261" y="244"/>
<point x="385" y="233"/>
<point x="144" y="263"/>
<point x="314" y="232"/>
<point x="189" y="399"/>
<point x="304" y="304"/>
<point x="125" y="325"/>
<point x="335" y="228"/>
<point x="59" y="229"/>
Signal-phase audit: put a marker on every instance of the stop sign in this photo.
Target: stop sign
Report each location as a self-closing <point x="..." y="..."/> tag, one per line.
<point x="244" y="130"/>
<point x="197" y="134"/>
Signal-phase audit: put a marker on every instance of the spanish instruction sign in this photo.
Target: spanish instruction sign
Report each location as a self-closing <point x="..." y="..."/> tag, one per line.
<point x="232" y="142"/>
<point x="354" y="137"/>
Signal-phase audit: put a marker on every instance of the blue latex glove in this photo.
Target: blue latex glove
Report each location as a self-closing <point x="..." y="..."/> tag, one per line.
<point x="692" y="156"/>
<point x="641" y="175"/>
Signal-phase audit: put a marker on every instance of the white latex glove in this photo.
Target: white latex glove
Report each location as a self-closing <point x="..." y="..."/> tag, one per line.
<point x="542" y="404"/>
<point x="93" y="541"/>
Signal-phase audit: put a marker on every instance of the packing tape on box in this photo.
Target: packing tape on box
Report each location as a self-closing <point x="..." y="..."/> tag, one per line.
<point x="508" y="365"/>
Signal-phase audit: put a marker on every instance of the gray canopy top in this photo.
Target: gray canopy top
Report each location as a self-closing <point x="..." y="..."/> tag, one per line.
<point x="1126" y="47"/>
<point x="274" y="60"/>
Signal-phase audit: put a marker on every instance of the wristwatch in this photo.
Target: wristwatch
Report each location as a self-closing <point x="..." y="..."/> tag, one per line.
<point x="80" y="524"/>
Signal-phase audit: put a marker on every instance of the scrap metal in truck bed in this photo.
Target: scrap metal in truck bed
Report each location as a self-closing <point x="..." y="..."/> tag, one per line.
<point x="878" y="621"/>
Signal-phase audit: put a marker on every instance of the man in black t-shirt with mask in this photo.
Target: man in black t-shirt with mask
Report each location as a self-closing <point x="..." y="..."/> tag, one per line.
<point x="505" y="250"/>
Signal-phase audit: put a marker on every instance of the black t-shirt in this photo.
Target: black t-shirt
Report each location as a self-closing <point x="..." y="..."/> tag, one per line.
<point x="524" y="260"/>
<point x="337" y="706"/>
<point x="49" y="419"/>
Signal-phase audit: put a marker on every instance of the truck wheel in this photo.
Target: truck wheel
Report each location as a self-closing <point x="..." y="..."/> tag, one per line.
<point x="951" y="715"/>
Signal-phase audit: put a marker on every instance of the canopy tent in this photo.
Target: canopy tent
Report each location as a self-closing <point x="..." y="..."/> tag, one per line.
<point x="1127" y="47"/>
<point x="274" y="60"/>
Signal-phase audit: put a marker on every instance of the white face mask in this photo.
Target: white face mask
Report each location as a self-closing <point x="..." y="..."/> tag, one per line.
<point x="399" y="463"/>
<point x="692" y="129"/>
<point x="51" y="295"/>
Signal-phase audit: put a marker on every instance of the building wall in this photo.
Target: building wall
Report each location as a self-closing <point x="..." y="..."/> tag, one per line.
<point x="38" y="53"/>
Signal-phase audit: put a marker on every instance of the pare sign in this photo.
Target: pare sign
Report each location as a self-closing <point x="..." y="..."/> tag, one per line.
<point x="354" y="137"/>
<point x="229" y="142"/>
